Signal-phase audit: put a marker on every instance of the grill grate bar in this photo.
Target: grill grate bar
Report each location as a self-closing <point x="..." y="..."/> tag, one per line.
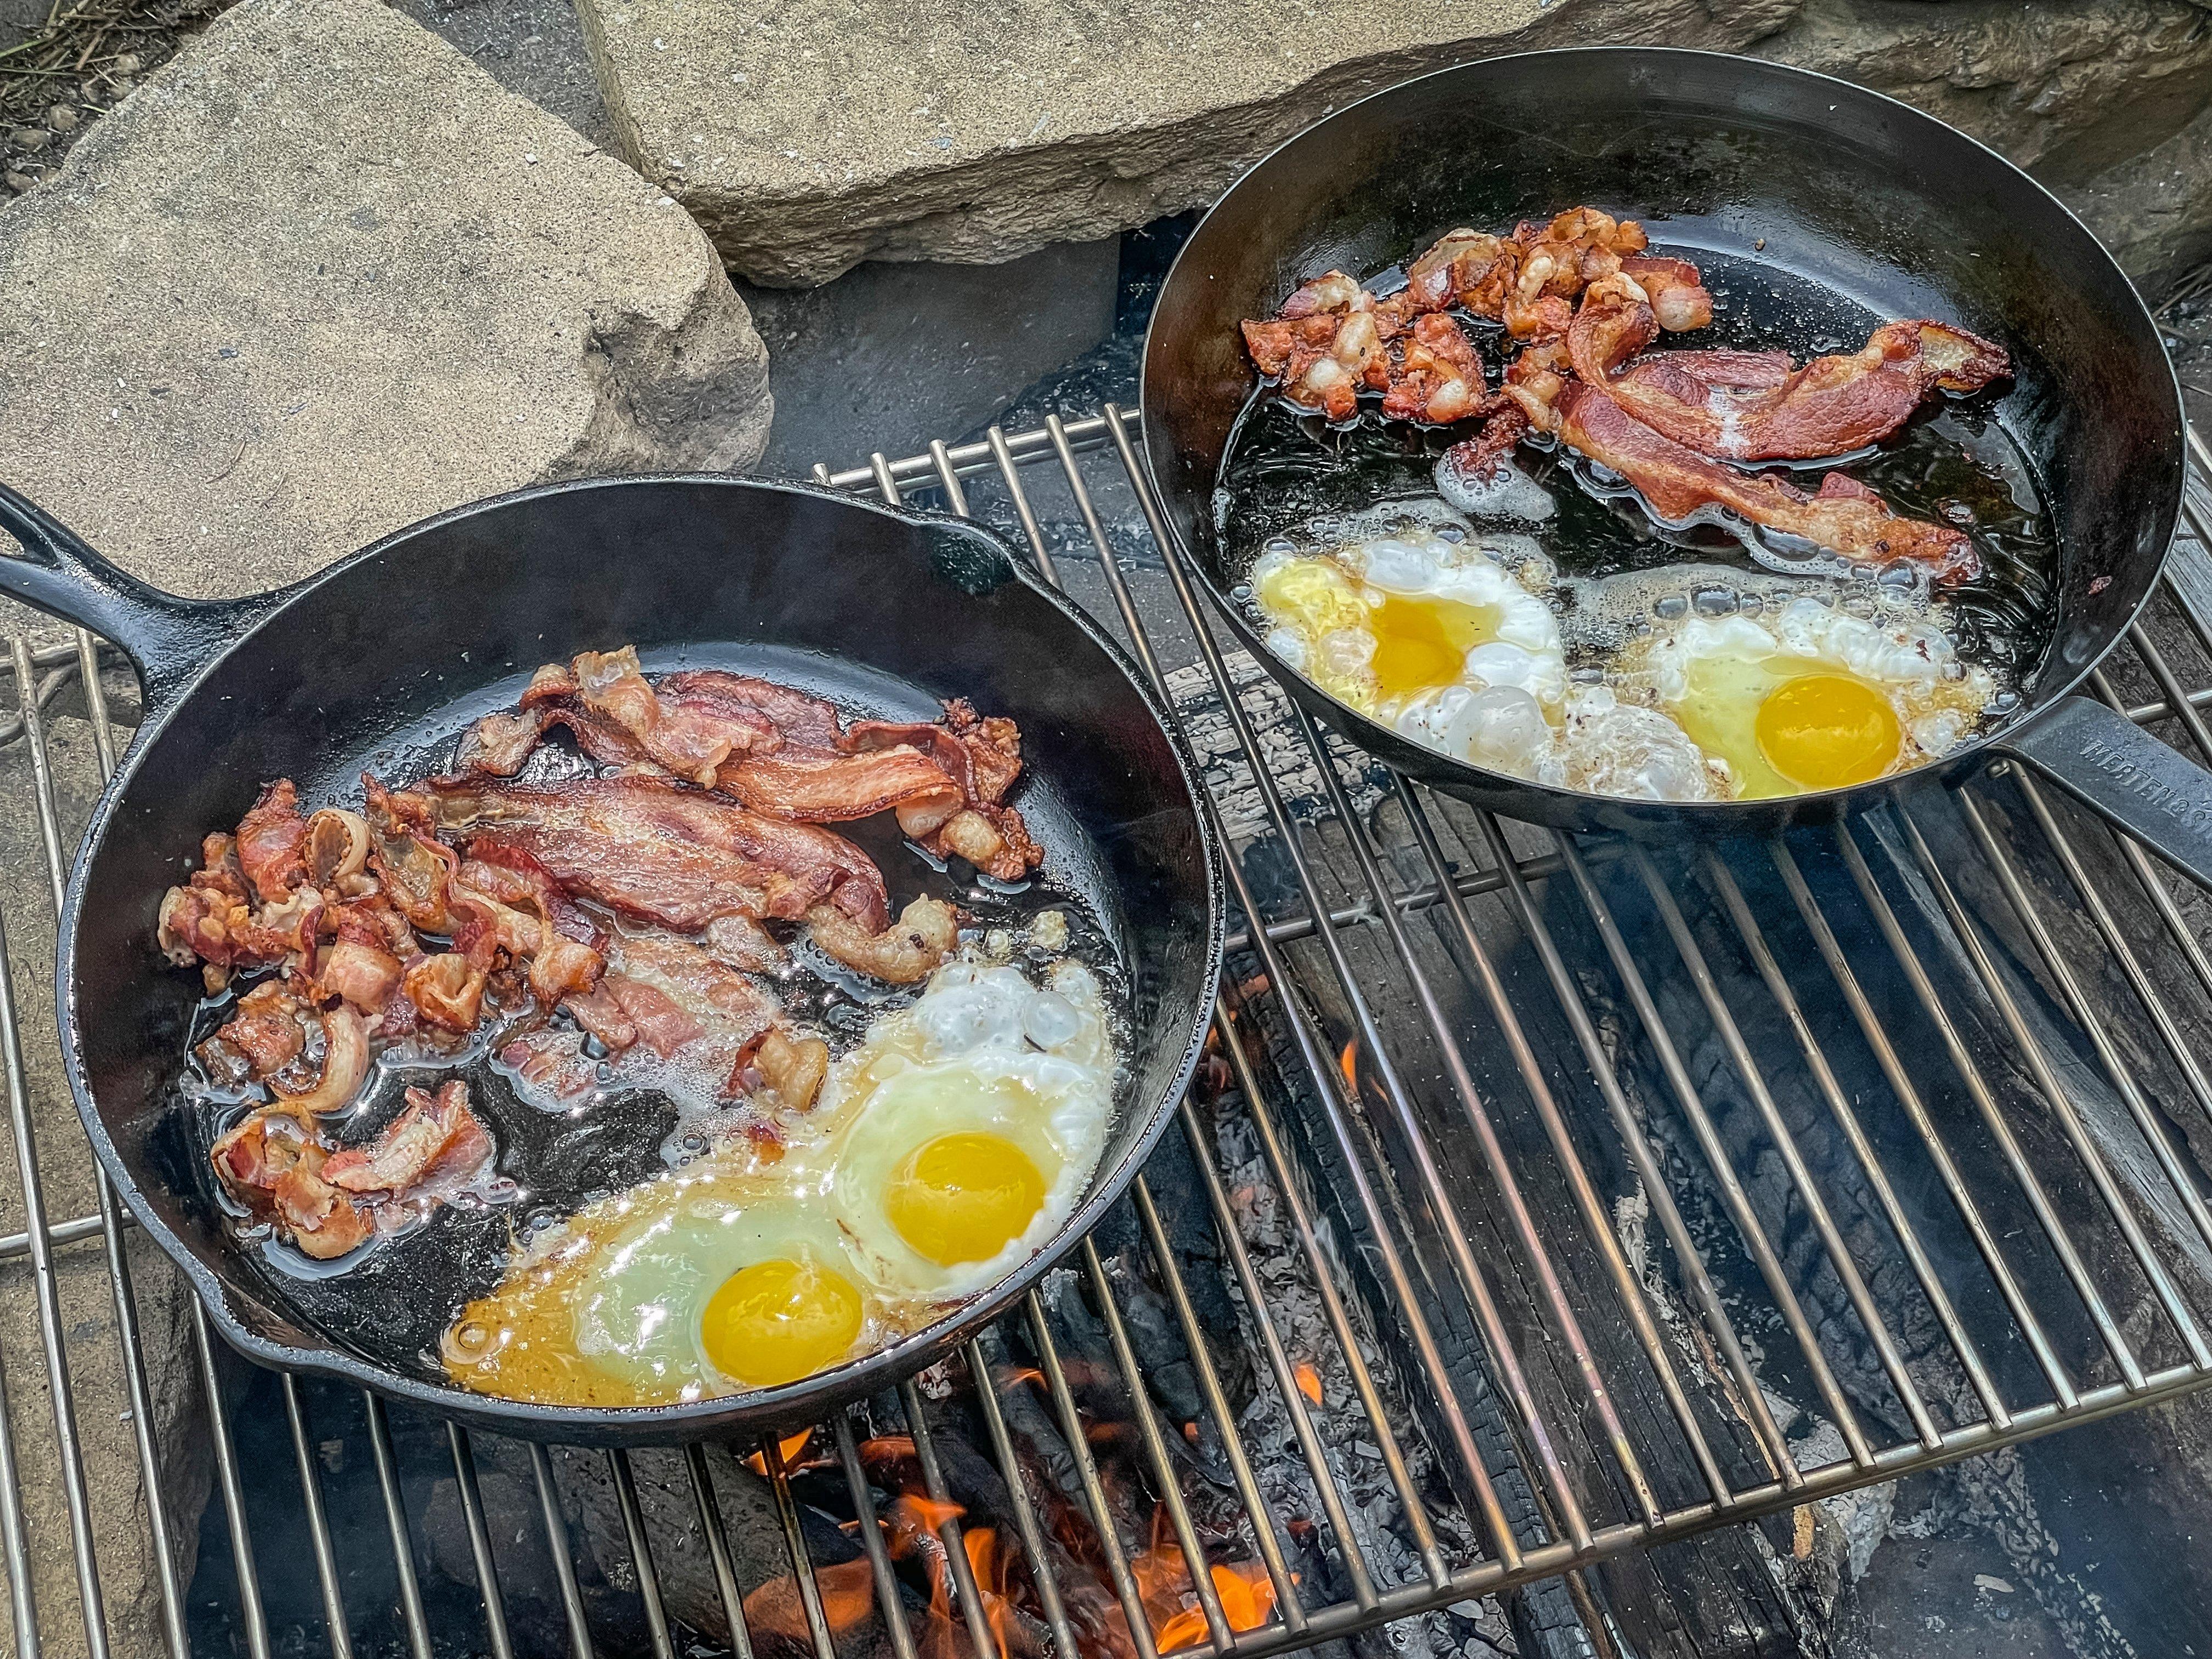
<point x="2061" y="1104"/>
<point x="403" y="1546"/>
<point x="1752" y="1397"/>
<point x="1738" y="1203"/>
<point x="1594" y="1490"/>
<point x="1806" y="1190"/>
<point x="1483" y="973"/>
<point x="318" y="1529"/>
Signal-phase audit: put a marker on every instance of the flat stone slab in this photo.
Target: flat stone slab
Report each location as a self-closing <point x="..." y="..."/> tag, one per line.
<point x="809" y="134"/>
<point x="321" y="276"/>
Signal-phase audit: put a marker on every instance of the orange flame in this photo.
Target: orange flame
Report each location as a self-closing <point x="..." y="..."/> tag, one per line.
<point x="1344" y="1064"/>
<point x="930" y="1513"/>
<point x="788" y="1449"/>
<point x="1308" y="1382"/>
<point x="1247" y="1597"/>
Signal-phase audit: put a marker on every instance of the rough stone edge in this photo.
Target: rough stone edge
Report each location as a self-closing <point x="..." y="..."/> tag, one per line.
<point x="816" y="239"/>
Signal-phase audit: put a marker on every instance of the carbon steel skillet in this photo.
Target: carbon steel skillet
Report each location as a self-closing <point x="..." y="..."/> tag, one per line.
<point x="412" y="637"/>
<point x="1860" y="192"/>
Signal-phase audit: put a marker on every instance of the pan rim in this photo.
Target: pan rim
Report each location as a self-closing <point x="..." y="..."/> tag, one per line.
<point x="809" y="1399"/>
<point x="1687" y="818"/>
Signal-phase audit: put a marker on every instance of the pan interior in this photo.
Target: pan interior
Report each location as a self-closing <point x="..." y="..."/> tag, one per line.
<point x="381" y="663"/>
<point x="1811" y="177"/>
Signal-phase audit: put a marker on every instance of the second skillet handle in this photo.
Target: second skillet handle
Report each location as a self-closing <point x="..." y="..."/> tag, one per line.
<point x="2126" y="775"/>
<point x="169" y="639"/>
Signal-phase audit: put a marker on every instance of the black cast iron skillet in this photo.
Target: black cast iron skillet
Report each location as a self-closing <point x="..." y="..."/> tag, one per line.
<point x="1853" y="190"/>
<point x="409" y="639"/>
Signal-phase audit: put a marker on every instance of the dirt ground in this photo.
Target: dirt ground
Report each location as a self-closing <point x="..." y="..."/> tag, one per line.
<point x="62" y="63"/>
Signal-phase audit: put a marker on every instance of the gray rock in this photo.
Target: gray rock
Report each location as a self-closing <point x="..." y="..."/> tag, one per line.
<point x="321" y="276"/>
<point x="2105" y="100"/>
<point x="808" y="136"/>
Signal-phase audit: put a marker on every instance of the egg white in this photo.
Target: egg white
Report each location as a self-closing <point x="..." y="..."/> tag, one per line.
<point x="982" y="1050"/>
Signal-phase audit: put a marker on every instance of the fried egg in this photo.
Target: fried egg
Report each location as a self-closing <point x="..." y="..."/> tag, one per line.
<point x="973" y="1121"/>
<point x="1814" y="697"/>
<point x="700" y="1283"/>
<point x="1387" y="622"/>
<point x="945" y="1148"/>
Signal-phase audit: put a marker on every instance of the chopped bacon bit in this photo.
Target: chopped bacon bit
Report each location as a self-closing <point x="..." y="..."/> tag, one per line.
<point x="337" y="850"/>
<point x="322" y="1221"/>
<point x="271" y="840"/>
<point x="345" y="1066"/>
<point x="793" y="1068"/>
<point x="446" y="990"/>
<point x="659" y="1019"/>
<point x="598" y="1012"/>
<point x="436" y="1141"/>
<point x="413" y="865"/>
<point x="365" y="975"/>
<point x="496" y="745"/>
<point x="907" y="951"/>
<point x="264" y="1035"/>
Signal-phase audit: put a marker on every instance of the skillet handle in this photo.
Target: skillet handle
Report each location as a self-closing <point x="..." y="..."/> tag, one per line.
<point x="2126" y="776"/>
<point x="168" y="639"/>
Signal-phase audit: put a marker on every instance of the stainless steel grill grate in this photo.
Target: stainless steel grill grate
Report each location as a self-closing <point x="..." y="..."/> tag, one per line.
<point x="1604" y="1168"/>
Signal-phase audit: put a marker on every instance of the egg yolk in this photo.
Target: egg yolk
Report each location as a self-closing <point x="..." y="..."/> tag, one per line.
<point x="1825" y="731"/>
<point x="1423" y="643"/>
<point x="963" y="1197"/>
<point x="776" y="1321"/>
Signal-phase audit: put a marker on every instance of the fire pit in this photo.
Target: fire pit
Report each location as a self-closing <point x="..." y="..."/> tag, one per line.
<point x="1541" y="1200"/>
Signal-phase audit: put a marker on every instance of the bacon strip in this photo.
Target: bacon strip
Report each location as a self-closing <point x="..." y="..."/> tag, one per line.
<point x="1844" y="517"/>
<point x="1757" y="405"/>
<point x="665" y="854"/>
<point x="813" y="788"/>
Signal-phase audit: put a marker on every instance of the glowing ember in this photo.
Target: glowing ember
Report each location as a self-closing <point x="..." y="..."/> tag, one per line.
<point x="848" y="1589"/>
<point x="1308" y="1382"/>
<point x="1344" y="1064"/>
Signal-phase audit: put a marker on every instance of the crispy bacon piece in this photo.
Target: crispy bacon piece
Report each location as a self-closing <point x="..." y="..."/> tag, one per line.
<point x="447" y="989"/>
<point x="268" y="1032"/>
<point x="689" y="736"/>
<point x="322" y="1221"/>
<point x="345" y="1061"/>
<point x="813" y="788"/>
<point x="1679" y="300"/>
<point x="1844" y="516"/>
<point x="800" y="718"/>
<point x="1742" y="405"/>
<point x="272" y="838"/>
<point x="1437" y="376"/>
<point x="361" y="970"/>
<point x="496" y="745"/>
<point x="265" y="1143"/>
<point x="657" y="1017"/>
<point x="793" y="1068"/>
<point x="337" y="851"/>
<point x="662" y="853"/>
<point x="412" y="864"/>
<point x="1322" y="359"/>
<point x="272" y="1161"/>
<point x="600" y="1012"/>
<point x="434" y="1142"/>
<point x="907" y="951"/>
<point x="534" y="920"/>
<point x="705" y="993"/>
